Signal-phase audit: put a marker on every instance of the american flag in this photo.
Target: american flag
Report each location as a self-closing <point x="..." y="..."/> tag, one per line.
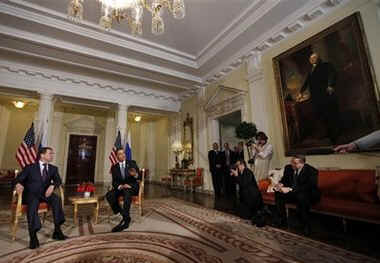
<point x="26" y="152"/>
<point x="116" y="146"/>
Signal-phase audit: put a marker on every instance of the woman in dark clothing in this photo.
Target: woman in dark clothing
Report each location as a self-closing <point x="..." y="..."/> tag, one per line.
<point x="250" y="197"/>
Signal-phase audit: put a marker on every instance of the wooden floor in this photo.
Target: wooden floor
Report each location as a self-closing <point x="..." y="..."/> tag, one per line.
<point x="360" y="237"/>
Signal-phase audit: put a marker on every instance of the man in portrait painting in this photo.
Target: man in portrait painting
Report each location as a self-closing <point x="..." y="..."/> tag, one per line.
<point x="320" y="83"/>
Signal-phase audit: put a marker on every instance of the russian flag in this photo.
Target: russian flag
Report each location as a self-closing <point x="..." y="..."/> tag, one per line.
<point x="128" y="147"/>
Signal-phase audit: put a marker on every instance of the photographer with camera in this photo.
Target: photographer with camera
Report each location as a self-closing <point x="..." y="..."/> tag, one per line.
<point x="251" y="202"/>
<point x="262" y="152"/>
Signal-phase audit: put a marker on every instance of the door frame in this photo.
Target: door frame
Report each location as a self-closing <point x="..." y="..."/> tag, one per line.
<point x="67" y="145"/>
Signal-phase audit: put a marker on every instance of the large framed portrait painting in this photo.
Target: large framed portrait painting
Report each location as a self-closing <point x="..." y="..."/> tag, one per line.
<point x="327" y="89"/>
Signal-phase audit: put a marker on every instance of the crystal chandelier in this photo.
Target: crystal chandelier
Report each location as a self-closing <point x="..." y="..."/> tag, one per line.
<point x="132" y="11"/>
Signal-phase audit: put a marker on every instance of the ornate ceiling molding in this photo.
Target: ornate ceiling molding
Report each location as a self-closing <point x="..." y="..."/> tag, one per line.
<point x="11" y="75"/>
<point x="295" y="22"/>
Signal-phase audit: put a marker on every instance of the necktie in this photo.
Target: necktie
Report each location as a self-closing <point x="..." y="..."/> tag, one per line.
<point x="122" y="169"/>
<point x="295" y="176"/>
<point x="44" y="172"/>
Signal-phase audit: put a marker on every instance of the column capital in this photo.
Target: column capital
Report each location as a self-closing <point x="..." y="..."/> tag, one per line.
<point x="255" y="70"/>
<point x="377" y="2"/>
<point x="46" y="96"/>
<point x="122" y="107"/>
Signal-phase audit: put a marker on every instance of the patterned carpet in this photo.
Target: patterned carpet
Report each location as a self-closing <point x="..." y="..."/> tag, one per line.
<point x="170" y="231"/>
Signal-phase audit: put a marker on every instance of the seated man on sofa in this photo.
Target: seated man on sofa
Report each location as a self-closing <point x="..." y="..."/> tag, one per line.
<point x="299" y="185"/>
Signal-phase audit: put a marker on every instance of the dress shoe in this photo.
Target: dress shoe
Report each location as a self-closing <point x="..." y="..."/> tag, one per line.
<point x="280" y="223"/>
<point x="124" y="224"/>
<point x="33" y="243"/>
<point x="58" y="235"/>
<point x="306" y="230"/>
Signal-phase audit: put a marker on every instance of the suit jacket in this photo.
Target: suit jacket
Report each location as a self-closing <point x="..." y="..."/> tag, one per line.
<point x="34" y="187"/>
<point x="238" y="155"/>
<point x="214" y="159"/>
<point x="323" y="76"/>
<point x="117" y="178"/>
<point x="223" y="158"/>
<point x="247" y="186"/>
<point x="307" y="181"/>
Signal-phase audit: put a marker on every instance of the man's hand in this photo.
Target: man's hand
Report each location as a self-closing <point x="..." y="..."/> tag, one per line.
<point x="126" y="186"/>
<point x="330" y="90"/>
<point x="49" y="191"/>
<point x="286" y="190"/>
<point x="278" y="187"/>
<point x="19" y="188"/>
<point x="234" y="172"/>
<point x="345" y="148"/>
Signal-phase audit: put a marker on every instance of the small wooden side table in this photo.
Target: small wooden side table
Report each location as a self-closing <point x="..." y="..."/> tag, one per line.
<point x="78" y="200"/>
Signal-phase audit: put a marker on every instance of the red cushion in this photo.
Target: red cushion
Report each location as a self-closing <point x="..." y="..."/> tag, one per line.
<point x="24" y="208"/>
<point x="264" y="184"/>
<point x="355" y="185"/>
<point x="349" y="208"/>
<point x="268" y="198"/>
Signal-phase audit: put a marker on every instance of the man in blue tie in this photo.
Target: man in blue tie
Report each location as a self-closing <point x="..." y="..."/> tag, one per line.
<point x="37" y="183"/>
<point x="124" y="183"/>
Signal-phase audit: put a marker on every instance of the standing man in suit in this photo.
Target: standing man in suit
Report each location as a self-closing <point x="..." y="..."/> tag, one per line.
<point x="215" y="165"/>
<point x="299" y="185"/>
<point x="37" y="183"/>
<point x="227" y="157"/>
<point x="124" y="184"/>
<point x="321" y="82"/>
<point x="239" y="153"/>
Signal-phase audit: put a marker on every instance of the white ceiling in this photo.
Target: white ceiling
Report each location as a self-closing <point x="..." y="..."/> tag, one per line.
<point x="189" y="35"/>
<point x="214" y="38"/>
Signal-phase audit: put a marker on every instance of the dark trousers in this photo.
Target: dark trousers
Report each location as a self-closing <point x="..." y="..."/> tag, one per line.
<point x="250" y="202"/>
<point x="302" y="201"/>
<point x="54" y="201"/>
<point x="113" y="196"/>
<point x="229" y="184"/>
<point x="217" y="181"/>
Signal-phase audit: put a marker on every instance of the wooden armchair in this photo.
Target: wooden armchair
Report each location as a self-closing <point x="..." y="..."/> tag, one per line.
<point x="136" y="200"/>
<point x="194" y="181"/>
<point x="18" y="209"/>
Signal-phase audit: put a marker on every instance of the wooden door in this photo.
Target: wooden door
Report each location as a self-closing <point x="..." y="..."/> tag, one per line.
<point x="81" y="159"/>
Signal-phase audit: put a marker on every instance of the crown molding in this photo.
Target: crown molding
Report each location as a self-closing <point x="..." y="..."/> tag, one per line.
<point x="224" y="38"/>
<point x="29" y="54"/>
<point x="92" y="30"/>
<point x="72" y="85"/>
<point x="59" y="44"/>
<point x="299" y="20"/>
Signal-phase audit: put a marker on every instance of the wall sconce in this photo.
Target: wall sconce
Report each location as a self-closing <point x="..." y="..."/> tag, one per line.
<point x="19" y="104"/>
<point x="137" y="118"/>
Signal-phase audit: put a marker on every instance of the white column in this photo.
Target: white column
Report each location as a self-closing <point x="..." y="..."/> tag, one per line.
<point x="201" y="134"/>
<point x="122" y="121"/>
<point x="258" y="92"/>
<point x="109" y="139"/>
<point x="44" y="126"/>
<point x="4" y="120"/>
<point x="56" y="138"/>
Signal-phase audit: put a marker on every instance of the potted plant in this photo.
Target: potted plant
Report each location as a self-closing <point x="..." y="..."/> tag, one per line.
<point x="247" y="131"/>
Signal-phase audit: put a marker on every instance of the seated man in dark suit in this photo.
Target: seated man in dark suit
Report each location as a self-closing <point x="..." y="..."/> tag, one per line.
<point x="124" y="183"/>
<point x="37" y="183"/>
<point x="299" y="185"/>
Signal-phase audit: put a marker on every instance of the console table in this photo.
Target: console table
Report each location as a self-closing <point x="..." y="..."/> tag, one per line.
<point x="180" y="175"/>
